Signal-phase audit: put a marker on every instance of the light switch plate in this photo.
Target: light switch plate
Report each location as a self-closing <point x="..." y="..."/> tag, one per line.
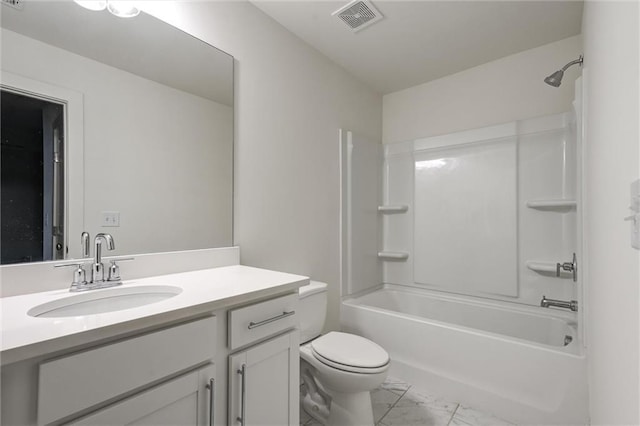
<point x="110" y="219"/>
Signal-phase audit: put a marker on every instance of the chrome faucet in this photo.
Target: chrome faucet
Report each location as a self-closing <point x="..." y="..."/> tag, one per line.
<point x="97" y="270"/>
<point x="547" y="303"/>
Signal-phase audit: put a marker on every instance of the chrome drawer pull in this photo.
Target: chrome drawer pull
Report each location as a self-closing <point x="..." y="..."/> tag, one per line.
<point x="267" y="321"/>
<point x="212" y="399"/>
<point x="243" y="373"/>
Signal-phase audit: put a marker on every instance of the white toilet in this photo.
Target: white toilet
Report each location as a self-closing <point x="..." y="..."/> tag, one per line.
<point x="338" y="369"/>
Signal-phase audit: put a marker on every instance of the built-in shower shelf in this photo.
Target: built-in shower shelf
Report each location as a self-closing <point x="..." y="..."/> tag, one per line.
<point x="546" y="268"/>
<point x="539" y="266"/>
<point x="560" y="205"/>
<point x="399" y="208"/>
<point x="393" y="255"/>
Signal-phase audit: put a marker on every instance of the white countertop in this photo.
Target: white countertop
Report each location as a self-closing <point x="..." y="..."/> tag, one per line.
<point x="24" y="336"/>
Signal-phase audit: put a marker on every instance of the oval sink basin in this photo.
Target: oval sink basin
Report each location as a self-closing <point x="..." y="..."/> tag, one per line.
<point x="101" y="301"/>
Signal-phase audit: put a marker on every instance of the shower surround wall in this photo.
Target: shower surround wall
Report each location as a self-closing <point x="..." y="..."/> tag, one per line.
<point x="472" y="225"/>
<point x="489" y="211"/>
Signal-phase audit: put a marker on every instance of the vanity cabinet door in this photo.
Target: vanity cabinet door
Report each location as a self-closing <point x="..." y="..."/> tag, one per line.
<point x="95" y="376"/>
<point x="185" y="401"/>
<point x="264" y="386"/>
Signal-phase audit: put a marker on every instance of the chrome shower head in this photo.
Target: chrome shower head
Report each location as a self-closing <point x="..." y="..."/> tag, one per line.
<point x="555" y="79"/>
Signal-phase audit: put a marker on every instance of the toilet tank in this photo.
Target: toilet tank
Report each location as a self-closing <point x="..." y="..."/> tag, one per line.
<point x="313" y="310"/>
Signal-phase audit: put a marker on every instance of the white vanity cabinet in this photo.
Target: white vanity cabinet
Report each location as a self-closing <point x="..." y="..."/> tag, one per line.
<point x="264" y="378"/>
<point x="264" y="383"/>
<point x="185" y="401"/>
<point x="166" y="374"/>
<point x="156" y="364"/>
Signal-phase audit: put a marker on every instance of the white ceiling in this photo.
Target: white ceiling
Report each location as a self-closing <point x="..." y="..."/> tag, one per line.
<point x="419" y="41"/>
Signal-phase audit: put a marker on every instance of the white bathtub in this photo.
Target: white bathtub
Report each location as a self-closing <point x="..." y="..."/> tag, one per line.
<point x="518" y="363"/>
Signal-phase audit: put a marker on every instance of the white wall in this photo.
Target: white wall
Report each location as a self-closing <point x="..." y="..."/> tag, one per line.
<point x="138" y="158"/>
<point x="508" y="89"/>
<point x="290" y="103"/>
<point x="610" y="31"/>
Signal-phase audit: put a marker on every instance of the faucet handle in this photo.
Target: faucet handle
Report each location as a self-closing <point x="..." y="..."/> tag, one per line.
<point x="114" y="272"/>
<point x="79" y="275"/>
<point x="114" y="269"/>
<point x="122" y="259"/>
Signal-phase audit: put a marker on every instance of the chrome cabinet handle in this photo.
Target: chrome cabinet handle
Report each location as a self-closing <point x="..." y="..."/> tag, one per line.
<point x="270" y="320"/>
<point x="211" y="387"/>
<point x="242" y="372"/>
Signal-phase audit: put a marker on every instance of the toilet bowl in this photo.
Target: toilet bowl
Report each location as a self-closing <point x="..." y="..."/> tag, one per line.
<point x="338" y="369"/>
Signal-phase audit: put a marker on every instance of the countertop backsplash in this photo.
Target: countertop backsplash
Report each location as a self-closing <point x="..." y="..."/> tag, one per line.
<point x="36" y="277"/>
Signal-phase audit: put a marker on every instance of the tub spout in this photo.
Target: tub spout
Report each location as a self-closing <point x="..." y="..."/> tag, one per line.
<point x="571" y="304"/>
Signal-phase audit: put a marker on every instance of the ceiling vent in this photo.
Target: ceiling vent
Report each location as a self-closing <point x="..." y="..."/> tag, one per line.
<point x="16" y="4"/>
<point x="358" y="14"/>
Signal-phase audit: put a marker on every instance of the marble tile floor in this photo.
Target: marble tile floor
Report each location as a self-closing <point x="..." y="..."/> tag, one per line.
<point x="396" y="403"/>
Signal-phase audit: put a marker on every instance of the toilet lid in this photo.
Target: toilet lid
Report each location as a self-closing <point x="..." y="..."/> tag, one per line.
<point x="350" y="350"/>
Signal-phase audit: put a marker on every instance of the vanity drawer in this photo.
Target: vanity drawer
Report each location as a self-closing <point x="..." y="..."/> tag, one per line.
<point x="261" y="320"/>
<point x="76" y="382"/>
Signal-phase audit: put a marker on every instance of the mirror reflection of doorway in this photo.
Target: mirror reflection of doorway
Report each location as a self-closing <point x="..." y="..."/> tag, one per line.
<point x="31" y="179"/>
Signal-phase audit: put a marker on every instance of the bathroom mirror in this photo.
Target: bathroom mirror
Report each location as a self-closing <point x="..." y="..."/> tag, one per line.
<point x="134" y="134"/>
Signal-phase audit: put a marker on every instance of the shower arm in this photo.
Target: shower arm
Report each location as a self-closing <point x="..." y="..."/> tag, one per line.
<point x="577" y="61"/>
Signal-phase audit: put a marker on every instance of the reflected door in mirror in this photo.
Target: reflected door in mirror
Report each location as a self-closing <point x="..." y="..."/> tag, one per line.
<point x="32" y="179"/>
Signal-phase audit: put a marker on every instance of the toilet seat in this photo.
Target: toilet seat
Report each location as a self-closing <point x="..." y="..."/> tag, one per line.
<point x="350" y="368"/>
<point x="350" y="353"/>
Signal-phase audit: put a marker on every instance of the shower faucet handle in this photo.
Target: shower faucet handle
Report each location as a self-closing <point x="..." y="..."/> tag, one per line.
<point x="569" y="267"/>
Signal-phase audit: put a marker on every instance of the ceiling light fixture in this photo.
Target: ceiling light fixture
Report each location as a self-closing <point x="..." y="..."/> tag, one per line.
<point x="122" y="9"/>
<point x="96" y="5"/>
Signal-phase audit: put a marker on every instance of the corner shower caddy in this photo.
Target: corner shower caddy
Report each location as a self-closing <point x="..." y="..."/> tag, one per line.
<point x="562" y="205"/>
<point x="393" y="255"/>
